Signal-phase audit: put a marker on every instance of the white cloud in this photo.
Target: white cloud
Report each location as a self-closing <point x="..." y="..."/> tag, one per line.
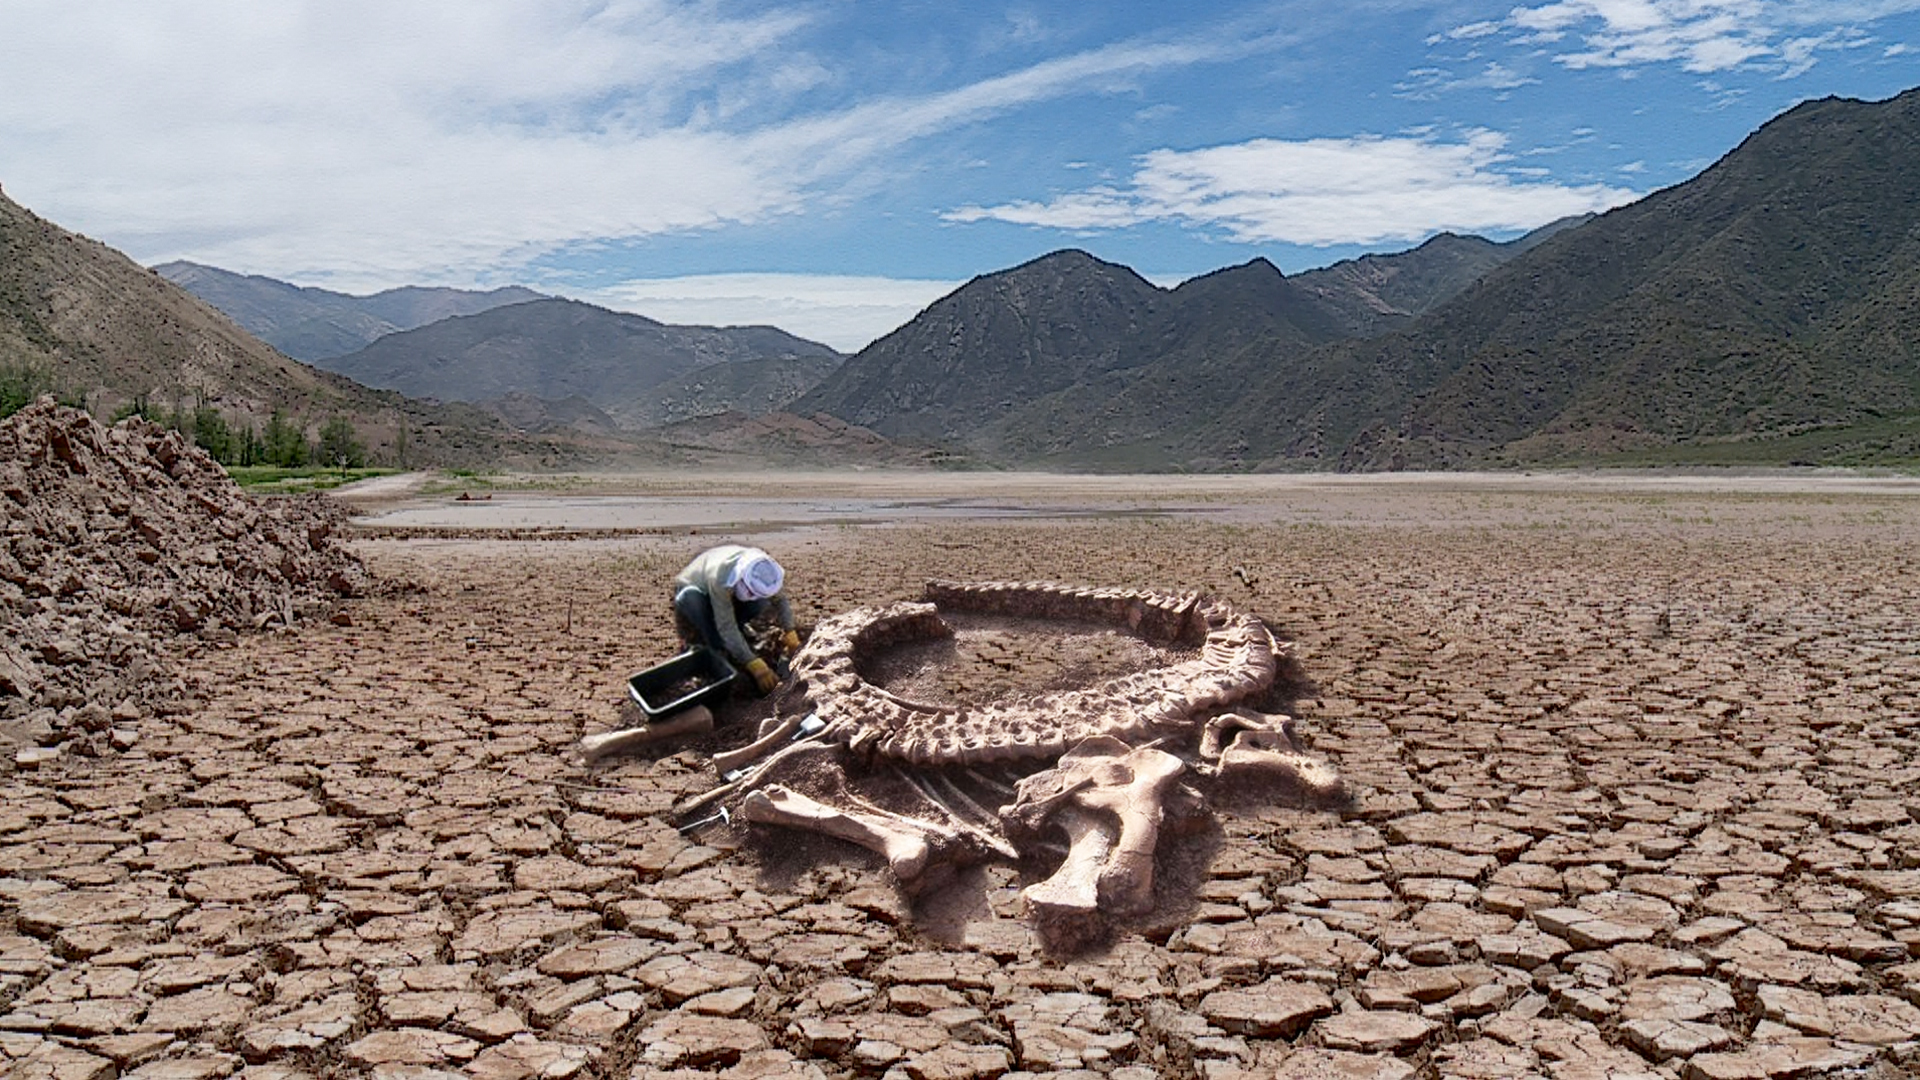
<point x="1701" y="36"/>
<point x="1319" y="192"/>
<point x="846" y="312"/>
<point x="362" y="141"/>
<point x="1425" y="84"/>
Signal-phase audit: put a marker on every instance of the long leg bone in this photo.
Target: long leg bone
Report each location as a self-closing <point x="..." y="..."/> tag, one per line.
<point x="907" y="843"/>
<point x="695" y="721"/>
<point x="748" y="778"/>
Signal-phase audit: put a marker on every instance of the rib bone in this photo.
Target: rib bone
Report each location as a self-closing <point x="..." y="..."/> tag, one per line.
<point x="760" y="747"/>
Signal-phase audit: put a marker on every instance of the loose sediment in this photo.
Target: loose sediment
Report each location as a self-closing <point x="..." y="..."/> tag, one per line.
<point x="119" y="544"/>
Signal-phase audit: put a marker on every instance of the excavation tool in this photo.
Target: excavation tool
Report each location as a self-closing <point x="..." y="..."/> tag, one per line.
<point x="724" y="817"/>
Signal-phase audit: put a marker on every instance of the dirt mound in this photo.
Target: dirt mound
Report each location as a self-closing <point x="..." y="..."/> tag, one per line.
<point x="118" y="543"/>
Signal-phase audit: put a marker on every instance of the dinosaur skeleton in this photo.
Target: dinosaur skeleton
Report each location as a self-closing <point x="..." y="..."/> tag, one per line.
<point x="1105" y="764"/>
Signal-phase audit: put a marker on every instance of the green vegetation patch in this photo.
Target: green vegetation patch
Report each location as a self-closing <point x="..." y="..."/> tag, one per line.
<point x="280" y="480"/>
<point x="21" y="383"/>
<point x="1890" y="441"/>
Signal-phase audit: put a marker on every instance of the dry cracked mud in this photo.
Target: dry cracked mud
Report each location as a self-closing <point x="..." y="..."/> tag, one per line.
<point x="1638" y="787"/>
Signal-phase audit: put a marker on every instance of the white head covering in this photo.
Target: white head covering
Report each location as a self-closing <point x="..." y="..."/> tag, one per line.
<point x="756" y="576"/>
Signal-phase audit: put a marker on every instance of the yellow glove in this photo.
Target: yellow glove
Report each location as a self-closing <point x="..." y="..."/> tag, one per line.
<point x="790" y="641"/>
<point x="763" y="676"/>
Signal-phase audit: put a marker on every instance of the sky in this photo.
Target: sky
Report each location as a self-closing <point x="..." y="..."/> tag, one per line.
<point x="832" y="167"/>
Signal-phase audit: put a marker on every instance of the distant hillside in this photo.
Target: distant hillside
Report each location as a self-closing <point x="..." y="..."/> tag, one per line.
<point x="991" y="345"/>
<point x="312" y="324"/>
<point x="752" y="387"/>
<point x="1071" y="353"/>
<point x="1375" y="294"/>
<point x="1770" y="297"/>
<point x="634" y="369"/>
<point x="100" y="329"/>
<point x="734" y="440"/>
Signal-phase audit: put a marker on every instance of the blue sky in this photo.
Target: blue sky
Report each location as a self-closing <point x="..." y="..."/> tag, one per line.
<point x="832" y="167"/>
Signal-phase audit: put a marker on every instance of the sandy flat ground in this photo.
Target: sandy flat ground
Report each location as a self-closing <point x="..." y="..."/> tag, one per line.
<point x="1636" y="758"/>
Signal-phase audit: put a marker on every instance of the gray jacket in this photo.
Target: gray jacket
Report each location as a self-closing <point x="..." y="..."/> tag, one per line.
<point x="709" y="572"/>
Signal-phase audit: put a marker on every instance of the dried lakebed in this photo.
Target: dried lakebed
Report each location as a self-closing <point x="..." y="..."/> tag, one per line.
<point x="1638" y="777"/>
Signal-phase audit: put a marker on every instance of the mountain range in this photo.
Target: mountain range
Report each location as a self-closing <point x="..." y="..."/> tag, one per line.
<point x="1070" y="351"/>
<point x="80" y="319"/>
<point x="639" y="372"/>
<point x="312" y="324"/>
<point x="1764" y="311"/>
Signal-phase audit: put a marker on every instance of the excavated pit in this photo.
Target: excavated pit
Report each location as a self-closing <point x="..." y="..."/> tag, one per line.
<point x="993" y="658"/>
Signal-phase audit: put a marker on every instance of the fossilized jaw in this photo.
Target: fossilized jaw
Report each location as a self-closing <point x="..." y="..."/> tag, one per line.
<point x="1257" y="752"/>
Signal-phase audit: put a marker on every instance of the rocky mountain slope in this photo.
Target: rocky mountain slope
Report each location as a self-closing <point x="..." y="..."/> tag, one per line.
<point x="1375" y="294"/>
<point x="1765" y="306"/>
<point x="1071" y="351"/>
<point x="639" y="371"/>
<point x="1769" y="296"/>
<point x="309" y="324"/>
<point x="84" y="321"/>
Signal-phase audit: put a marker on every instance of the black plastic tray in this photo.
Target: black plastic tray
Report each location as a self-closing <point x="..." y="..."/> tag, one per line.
<point x="714" y="674"/>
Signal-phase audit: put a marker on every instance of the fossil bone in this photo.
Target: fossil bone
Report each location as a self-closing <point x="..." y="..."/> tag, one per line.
<point x="769" y="741"/>
<point x="907" y="843"/>
<point x="1074" y="889"/>
<point x="960" y="820"/>
<point x="1237" y="658"/>
<point x="695" y="721"/>
<point x="1249" y="749"/>
<point x="1111" y="754"/>
<point x="1105" y="776"/>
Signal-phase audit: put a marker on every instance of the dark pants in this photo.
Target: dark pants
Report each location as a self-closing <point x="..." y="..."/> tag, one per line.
<point x="693" y="616"/>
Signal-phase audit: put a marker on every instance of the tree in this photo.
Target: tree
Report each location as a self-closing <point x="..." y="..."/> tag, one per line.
<point x="338" y="446"/>
<point x="249" y="450"/>
<point x="211" y="433"/>
<point x="285" y="445"/>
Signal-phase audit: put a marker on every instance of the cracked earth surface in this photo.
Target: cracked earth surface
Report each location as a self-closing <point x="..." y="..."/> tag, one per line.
<point x="1638" y="796"/>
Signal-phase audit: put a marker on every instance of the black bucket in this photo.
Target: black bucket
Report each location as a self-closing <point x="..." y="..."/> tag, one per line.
<point x="712" y="678"/>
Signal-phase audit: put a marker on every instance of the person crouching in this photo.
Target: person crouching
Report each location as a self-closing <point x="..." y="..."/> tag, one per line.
<point x="720" y="592"/>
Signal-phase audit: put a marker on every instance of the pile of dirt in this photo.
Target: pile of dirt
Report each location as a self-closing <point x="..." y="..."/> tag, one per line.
<point x="118" y="543"/>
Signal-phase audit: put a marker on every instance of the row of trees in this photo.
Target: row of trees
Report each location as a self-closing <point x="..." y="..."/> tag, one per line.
<point x="281" y="442"/>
